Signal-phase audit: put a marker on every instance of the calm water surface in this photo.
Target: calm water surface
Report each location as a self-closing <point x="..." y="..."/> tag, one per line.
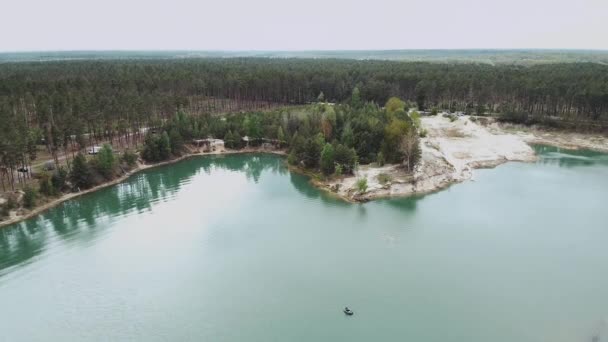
<point x="236" y="248"/>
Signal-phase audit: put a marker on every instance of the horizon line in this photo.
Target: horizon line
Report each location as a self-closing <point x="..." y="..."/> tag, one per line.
<point x="305" y="50"/>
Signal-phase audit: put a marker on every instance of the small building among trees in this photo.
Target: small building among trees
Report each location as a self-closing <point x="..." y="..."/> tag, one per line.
<point x="209" y="144"/>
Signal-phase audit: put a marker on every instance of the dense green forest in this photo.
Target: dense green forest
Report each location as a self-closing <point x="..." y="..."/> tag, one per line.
<point x="325" y="138"/>
<point x="97" y="91"/>
<point x="69" y="105"/>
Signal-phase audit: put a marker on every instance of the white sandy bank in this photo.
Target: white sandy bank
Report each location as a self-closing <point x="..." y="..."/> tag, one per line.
<point x="450" y="152"/>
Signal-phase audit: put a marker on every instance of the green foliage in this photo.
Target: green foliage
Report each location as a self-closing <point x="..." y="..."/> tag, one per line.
<point x="415" y="116"/>
<point x="393" y="135"/>
<point x="59" y="178"/>
<point x="520" y="117"/>
<point x="176" y="141"/>
<point x="156" y="147"/>
<point x="384" y="178"/>
<point x="362" y="185"/>
<point x="129" y="158"/>
<point x="355" y="99"/>
<point x="80" y="175"/>
<point x="29" y="197"/>
<point x="45" y="185"/>
<point x="338" y="170"/>
<point x="312" y="151"/>
<point x="237" y="140"/>
<point x="253" y="127"/>
<point x="164" y="146"/>
<point x="292" y="158"/>
<point x="380" y="159"/>
<point x="281" y="135"/>
<point x="327" y="159"/>
<point x="346" y="158"/>
<point x="229" y="140"/>
<point x="394" y="104"/>
<point x="321" y="97"/>
<point x="10" y="204"/>
<point x="348" y="137"/>
<point x="410" y="147"/>
<point x="105" y="161"/>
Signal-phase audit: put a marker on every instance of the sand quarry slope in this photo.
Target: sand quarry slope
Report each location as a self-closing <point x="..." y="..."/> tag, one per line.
<point x="450" y="152"/>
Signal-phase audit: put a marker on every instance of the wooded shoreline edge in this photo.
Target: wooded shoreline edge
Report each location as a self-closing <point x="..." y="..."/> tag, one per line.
<point x="314" y="181"/>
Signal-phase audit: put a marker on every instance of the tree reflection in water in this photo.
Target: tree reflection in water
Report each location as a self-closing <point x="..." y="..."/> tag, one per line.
<point x="85" y="216"/>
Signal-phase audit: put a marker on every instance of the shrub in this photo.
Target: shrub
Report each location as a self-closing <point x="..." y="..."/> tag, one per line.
<point x="129" y="158"/>
<point x="415" y="116"/>
<point x="423" y="133"/>
<point x="380" y="159"/>
<point x="338" y="170"/>
<point x="45" y="186"/>
<point x="292" y="159"/>
<point x="29" y="198"/>
<point x="384" y="178"/>
<point x="362" y="185"/>
<point x="105" y="161"/>
<point x="4" y="211"/>
<point x="176" y="141"/>
<point x="11" y="201"/>
<point x="327" y="159"/>
<point x="10" y="204"/>
<point x="80" y="176"/>
<point x="346" y="157"/>
<point x="156" y="147"/>
<point x="58" y="179"/>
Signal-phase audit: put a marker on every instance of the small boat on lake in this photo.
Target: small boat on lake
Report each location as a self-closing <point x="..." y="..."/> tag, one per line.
<point x="348" y="312"/>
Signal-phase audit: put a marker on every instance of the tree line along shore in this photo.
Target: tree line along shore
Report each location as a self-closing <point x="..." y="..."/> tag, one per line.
<point x="153" y="110"/>
<point x="325" y="138"/>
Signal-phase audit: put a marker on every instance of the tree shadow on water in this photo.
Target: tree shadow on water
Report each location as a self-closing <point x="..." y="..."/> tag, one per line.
<point x="302" y="184"/>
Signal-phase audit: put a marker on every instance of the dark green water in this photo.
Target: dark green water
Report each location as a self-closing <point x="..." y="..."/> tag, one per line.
<point x="238" y="249"/>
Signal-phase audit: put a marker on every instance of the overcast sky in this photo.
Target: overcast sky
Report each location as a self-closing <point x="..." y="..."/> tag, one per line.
<point x="301" y="25"/>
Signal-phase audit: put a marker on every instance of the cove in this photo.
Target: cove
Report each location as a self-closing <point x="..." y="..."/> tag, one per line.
<point x="237" y="248"/>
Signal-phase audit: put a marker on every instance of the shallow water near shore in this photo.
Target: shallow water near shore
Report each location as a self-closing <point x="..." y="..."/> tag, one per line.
<point x="237" y="248"/>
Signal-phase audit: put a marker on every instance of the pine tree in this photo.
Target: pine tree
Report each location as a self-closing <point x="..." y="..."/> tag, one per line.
<point x="327" y="159"/>
<point x="164" y="146"/>
<point x="105" y="161"/>
<point x="80" y="176"/>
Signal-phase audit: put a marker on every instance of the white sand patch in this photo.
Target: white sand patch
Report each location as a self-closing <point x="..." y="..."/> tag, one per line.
<point x="450" y="152"/>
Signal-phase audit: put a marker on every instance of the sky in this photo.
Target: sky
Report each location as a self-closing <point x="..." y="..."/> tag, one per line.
<point x="42" y="25"/>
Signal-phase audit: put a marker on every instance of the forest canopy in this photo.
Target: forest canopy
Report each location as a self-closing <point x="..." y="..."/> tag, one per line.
<point x="356" y="111"/>
<point x="111" y="90"/>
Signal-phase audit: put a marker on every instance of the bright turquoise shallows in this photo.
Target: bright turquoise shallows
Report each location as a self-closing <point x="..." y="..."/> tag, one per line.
<point x="236" y="248"/>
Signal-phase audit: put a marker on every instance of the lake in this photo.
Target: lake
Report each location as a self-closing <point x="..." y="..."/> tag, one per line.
<point x="237" y="248"/>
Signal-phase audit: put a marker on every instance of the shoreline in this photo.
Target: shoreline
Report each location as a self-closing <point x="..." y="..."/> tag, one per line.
<point x="452" y="151"/>
<point x="140" y="167"/>
<point x="446" y="160"/>
<point x="536" y="135"/>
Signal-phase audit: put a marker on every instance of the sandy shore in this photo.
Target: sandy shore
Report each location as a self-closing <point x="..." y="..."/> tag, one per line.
<point x="450" y="152"/>
<point x="567" y="140"/>
<point x="23" y="214"/>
